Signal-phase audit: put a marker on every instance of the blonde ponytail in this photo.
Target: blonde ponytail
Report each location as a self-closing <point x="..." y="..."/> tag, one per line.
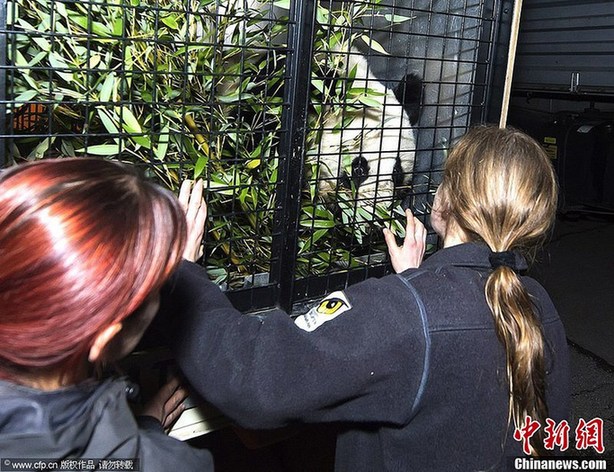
<point x="499" y="188"/>
<point x="519" y="330"/>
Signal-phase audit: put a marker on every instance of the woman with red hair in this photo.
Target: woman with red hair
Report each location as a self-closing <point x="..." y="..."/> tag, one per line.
<point x="85" y="245"/>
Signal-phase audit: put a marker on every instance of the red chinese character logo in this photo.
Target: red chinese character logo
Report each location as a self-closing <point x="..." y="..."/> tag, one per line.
<point x="524" y="434"/>
<point x="556" y="435"/>
<point x="590" y="434"/>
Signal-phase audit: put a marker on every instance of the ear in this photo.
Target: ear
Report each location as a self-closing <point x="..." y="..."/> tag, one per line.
<point x="409" y="94"/>
<point x="102" y="340"/>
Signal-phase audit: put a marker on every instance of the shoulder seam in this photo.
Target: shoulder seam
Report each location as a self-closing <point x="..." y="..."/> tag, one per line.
<point x="427" y="338"/>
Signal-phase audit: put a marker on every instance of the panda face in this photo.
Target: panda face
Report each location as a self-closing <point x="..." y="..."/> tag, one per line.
<point x="375" y="148"/>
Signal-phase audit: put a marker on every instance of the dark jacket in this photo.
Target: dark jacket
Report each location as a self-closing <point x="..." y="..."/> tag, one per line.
<point x="90" y="421"/>
<point x="410" y="362"/>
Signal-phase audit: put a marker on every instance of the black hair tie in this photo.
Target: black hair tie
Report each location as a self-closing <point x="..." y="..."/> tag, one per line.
<point x="505" y="259"/>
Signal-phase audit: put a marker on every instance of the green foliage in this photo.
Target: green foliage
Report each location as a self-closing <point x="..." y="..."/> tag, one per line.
<point x="189" y="89"/>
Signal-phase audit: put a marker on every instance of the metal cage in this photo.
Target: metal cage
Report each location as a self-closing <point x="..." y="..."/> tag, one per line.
<point x="312" y="123"/>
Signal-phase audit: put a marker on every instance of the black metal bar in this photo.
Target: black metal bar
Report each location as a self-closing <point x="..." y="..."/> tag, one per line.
<point x="585" y="95"/>
<point x="314" y="287"/>
<point x="252" y="299"/>
<point x="292" y="150"/>
<point x="485" y="69"/>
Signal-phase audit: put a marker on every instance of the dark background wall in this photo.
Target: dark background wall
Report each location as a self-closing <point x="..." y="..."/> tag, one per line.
<point x="563" y="95"/>
<point x="566" y="44"/>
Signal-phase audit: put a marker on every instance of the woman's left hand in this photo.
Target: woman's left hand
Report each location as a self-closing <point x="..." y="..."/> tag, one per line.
<point x="410" y="254"/>
<point x="167" y="404"/>
<point x="193" y="203"/>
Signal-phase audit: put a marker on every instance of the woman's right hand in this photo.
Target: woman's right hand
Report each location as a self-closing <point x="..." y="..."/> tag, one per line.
<point x="410" y="254"/>
<point x="193" y="203"/>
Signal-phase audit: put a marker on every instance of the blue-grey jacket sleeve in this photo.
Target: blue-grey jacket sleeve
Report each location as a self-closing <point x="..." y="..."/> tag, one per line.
<point x="364" y="365"/>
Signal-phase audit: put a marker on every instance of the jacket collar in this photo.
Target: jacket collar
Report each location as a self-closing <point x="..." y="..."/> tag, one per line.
<point x="474" y="255"/>
<point x="62" y="422"/>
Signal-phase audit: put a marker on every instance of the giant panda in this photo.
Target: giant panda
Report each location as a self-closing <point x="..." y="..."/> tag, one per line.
<point x="363" y="147"/>
<point x="367" y="147"/>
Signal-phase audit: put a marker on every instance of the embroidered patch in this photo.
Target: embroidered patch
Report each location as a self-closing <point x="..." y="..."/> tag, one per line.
<point x="328" y="309"/>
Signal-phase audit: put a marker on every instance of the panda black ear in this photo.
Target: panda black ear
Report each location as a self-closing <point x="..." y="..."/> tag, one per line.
<point x="409" y="94"/>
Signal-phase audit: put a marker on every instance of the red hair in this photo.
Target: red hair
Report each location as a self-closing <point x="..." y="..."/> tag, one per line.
<point x="83" y="242"/>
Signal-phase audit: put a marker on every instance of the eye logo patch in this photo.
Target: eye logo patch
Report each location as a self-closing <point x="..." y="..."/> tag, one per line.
<point x="329" y="308"/>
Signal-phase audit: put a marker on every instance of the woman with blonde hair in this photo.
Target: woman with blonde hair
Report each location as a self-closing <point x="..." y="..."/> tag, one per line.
<point x="499" y="188"/>
<point x="85" y="246"/>
<point x="430" y="369"/>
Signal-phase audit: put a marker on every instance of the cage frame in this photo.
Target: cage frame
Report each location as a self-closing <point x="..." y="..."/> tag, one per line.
<point x="284" y="289"/>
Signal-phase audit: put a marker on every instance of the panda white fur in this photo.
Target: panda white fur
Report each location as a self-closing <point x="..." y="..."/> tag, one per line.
<point x="375" y="150"/>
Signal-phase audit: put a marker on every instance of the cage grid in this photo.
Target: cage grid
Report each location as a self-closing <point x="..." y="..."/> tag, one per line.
<point x="312" y="123"/>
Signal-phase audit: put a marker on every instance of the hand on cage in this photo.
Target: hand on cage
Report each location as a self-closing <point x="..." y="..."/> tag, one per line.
<point x="193" y="203"/>
<point x="167" y="404"/>
<point x="410" y="254"/>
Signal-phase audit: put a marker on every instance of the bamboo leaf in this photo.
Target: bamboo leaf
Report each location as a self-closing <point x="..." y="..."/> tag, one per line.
<point x="252" y="164"/>
<point x="129" y="122"/>
<point x="171" y="22"/>
<point x="323" y="15"/>
<point x="107" y="122"/>
<point x="35" y="60"/>
<point x="94" y="61"/>
<point x="57" y="62"/>
<point x="21" y="62"/>
<point x="284" y="4"/>
<point x="368" y="101"/>
<point x="108" y="87"/>
<point x="317" y="235"/>
<point x="318" y="84"/>
<point x="61" y="9"/>
<point x="142" y="141"/>
<point x="163" y="141"/>
<point x="317" y="224"/>
<point x="39" y="151"/>
<point x="397" y="18"/>
<point x="373" y="44"/>
<point x="26" y="96"/>
<point x="118" y="26"/>
<point x="97" y="28"/>
<point x="200" y="165"/>
<point x="42" y="43"/>
<point x="103" y="149"/>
